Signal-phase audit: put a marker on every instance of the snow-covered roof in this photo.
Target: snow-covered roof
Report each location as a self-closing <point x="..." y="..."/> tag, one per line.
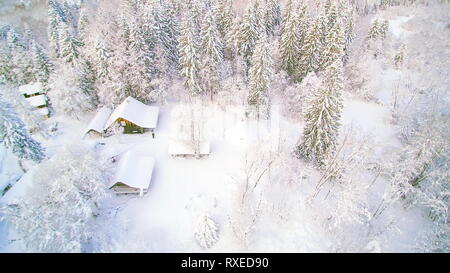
<point x="136" y="112"/>
<point x="31" y="88"/>
<point x="135" y="170"/>
<point x="98" y="122"/>
<point x="37" y="101"/>
<point x="185" y="147"/>
<point x="43" y="111"/>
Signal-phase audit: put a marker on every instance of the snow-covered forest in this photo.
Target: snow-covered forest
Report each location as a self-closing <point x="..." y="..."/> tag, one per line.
<point x="305" y="125"/>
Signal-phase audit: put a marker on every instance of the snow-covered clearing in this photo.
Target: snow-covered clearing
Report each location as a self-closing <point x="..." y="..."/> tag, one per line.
<point x="291" y="211"/>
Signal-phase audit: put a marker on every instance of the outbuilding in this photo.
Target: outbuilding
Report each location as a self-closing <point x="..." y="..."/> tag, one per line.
<point x="134" y="173"/>
<point x="134" y="116"/>
<point x="31" y="89"/>
<point x="95" y="127"/>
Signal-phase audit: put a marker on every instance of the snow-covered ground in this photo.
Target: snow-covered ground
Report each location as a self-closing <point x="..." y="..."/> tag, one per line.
<point x="183" y="190"/>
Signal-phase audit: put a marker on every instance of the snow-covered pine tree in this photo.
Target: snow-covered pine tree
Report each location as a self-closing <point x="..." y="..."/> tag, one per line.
<point x="13" y="135"/>
<point x="86" y="79"/>
<point x="56" y="16"/>
<point x="58" y="211"/>
<point x="348" y="25"/>
<point x="225" y="15"/>
<point x="383" y="29"/>
<point x="69" y="44"/>
<point x="141" y="58"/>
<point x="168" y="32"/>
<point x="249" y="32"/>
<point x="189" y="60"/>
<point x="65" y="92"/>
<point x="17" y="66"/>
<point x="310" y="51"/>
<point x="323" y="118"/>
<point x="333" y="48"/>
<point x="260" y="74"/>
<point x="212" y="46"/>
<point x="25" y="111"/>
<point x="82" y="24"/>
<point x="102" y="55"/>
<point x="231" y="40"/>
<point x="272" y="15"/>
<point x="42" y="67"/>
<point x="288" y="10"/>
<point x="289" y="45"/>
<point x="374" y="30"/>
<point x="207" y="232"/>
<point x="302" y="22"/>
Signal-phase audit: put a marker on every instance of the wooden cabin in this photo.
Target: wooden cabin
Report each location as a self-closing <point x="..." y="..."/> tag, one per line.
<point x="35" y="95"/>
<point x="134" y="174"/>
<point x="134" y="116"/>
<point x="95" y="127"/>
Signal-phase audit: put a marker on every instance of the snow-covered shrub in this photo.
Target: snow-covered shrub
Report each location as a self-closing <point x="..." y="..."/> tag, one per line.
<point x="57" y="212"/>
<point x="247" y="194"/>
<point x="294" y="96"/>
<point x="26" y="112"/>
<point x="207" y="232"/>
<point x="14" y="135"/>
<point x="65" y="94"/>
<point x="233" y="91"/>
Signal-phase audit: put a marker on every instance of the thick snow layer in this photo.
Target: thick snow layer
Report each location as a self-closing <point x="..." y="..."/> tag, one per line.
<point x="36" y="101"/>
<point x="98" y="122"/>
<point x="135" y="111"/>
<point x="135" y="170"/>
<point x="183" y="147"/>
<point x="31" y="88"/>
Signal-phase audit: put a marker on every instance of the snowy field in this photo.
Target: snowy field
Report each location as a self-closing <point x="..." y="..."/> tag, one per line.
<point x="287" y="211"/>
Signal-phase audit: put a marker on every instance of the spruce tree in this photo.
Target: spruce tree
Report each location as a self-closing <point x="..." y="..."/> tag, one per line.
<point x="323" y="118"/>
<point x="13" y="135"/>
<point x="310" y="51"/>
<point x="69" y="44"/>
<point x="272" y="15"/>
<point x="249" y="32"/>
<point x="189" y="60"/>
<point x="212" y="54"/>
<point x="225" y="15"/>
<point x="56" y="17"/>
<point x="42" y="67"/>
<point x="289" y="45"/>
<point x="102" y="55"/>
<point x="168" y="32"/>
<point x="333" y="48"/>
<point x="260" y="74"/>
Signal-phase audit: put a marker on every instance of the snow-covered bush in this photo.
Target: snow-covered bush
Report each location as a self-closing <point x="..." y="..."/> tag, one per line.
<point x="59" y="208"/>
<point x="65" y="93"/>
<point x="207" y="232"/>
<point x="14" y="135"/>
<point x="295" y="95"/>
<point x="250" y="181"/>
<point x="26" y="112"/>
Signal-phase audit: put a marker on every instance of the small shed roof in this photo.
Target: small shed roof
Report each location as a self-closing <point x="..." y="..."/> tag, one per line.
<point x="185" y="147"/>
<point x="43" y="111"/>
<point x="136" y="112"/>
<point x="37" y="101"/>
<point x="98" y="122"/>
<point x="31" y="88"/>
<point x="135" y="170"/>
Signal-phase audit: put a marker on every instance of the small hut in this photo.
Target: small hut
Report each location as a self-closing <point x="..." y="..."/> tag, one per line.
<point x="134" y="174"/>
<point x="134" y="117"/>
<point x="31" y="89"/>
<point x="95" y="127"/>
<point x="34" y="94"/>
